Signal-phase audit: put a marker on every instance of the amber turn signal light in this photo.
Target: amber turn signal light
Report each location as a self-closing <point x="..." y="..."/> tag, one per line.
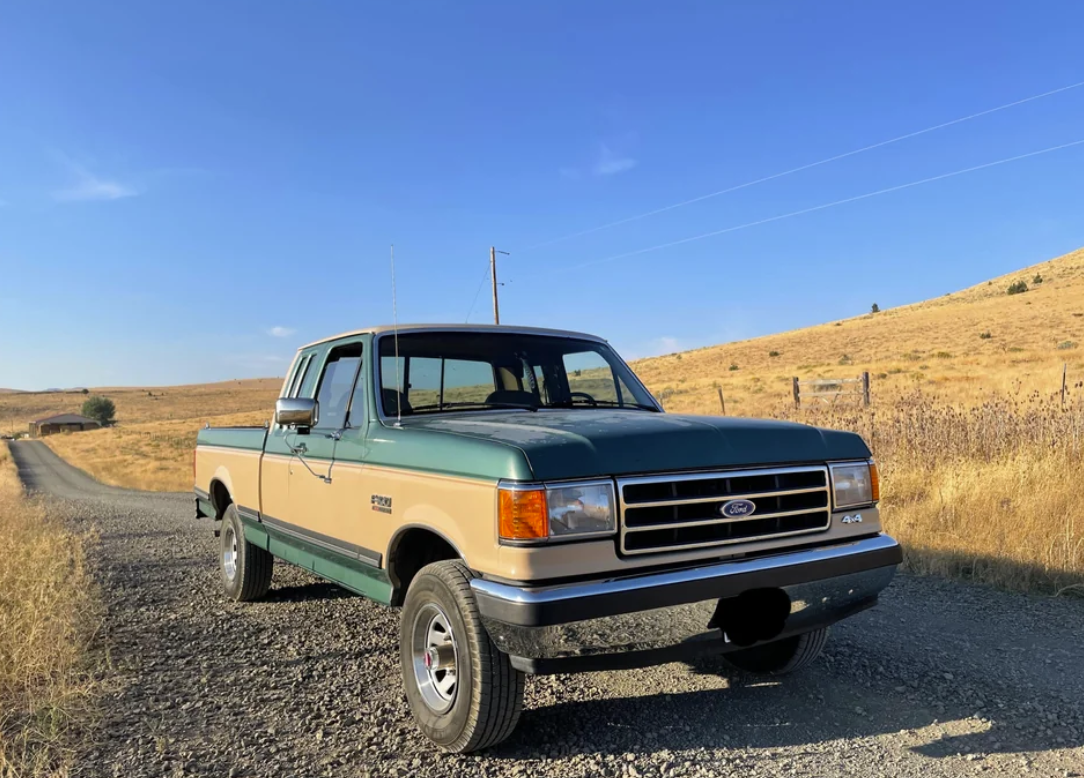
<point x="522" y="514"/>
<point x="874" y="481"/>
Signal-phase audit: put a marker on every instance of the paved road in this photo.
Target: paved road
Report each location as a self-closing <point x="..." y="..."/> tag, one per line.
<point x="941" y="679"/>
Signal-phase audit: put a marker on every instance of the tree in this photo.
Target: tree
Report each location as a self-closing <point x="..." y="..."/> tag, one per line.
<point x="875" y="308"/>
<point x="101" y="409"/>
<point x="1018" y="287"/>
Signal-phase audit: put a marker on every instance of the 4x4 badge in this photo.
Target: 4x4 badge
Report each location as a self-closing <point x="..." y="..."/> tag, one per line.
<point x="855" y="519"/>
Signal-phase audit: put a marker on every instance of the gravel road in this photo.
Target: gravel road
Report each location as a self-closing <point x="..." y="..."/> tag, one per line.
<point x="941" y="679"/>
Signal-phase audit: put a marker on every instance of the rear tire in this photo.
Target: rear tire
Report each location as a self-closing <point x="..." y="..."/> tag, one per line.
<point x="246" y="569"/>
<point x="463" y="691"/>
<point x="781" y="656"/>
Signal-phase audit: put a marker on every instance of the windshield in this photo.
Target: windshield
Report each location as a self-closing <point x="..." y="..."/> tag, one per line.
<point x="442" y="372"/>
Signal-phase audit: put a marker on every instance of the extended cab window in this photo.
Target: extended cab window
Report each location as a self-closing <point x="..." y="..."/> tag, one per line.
<point x="337" y="385"/>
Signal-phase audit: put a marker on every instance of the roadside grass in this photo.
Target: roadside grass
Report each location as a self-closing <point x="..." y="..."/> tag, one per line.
<point x="48" y="613"/>
<point x="984" y="493"/>
<point x="154" y="456"/>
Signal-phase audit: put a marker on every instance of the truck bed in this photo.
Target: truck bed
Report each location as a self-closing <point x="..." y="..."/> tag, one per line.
<point x="251" y="438"/>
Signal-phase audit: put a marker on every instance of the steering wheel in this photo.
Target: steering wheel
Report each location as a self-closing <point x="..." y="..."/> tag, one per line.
<point x="590" y="400"/>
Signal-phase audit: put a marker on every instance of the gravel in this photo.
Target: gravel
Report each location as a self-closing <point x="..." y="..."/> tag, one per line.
<point x="942" y="679"/>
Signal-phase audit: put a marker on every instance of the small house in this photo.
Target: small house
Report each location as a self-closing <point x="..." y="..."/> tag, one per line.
<point x="65" y="422"/>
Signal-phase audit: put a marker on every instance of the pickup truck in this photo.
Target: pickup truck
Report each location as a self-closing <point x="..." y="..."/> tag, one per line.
<point x="528" y="505"/>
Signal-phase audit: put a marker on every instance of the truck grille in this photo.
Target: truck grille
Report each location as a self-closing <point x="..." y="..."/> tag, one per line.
<point x="681" y="512"/>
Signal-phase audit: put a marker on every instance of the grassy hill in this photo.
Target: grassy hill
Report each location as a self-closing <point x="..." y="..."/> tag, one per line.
<point x="960" y="347"/>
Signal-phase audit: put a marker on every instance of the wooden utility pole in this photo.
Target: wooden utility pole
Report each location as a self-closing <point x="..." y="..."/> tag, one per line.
<point x="493" y="275"/>
<point x="794" y="389"/>
<point x="865" y="389"/>
<point x="722" y="402"/>
<point x="1064" y="375"/>
<point x="493" y="252"/>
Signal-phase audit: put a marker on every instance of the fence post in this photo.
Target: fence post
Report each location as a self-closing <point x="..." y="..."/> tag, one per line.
<point x="1064" y="372"/>
<point x="722" y="402"/>
<point x="794" y="388"/>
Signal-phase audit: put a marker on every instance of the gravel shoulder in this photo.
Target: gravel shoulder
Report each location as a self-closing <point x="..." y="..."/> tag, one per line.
<point x="941" y="679"/>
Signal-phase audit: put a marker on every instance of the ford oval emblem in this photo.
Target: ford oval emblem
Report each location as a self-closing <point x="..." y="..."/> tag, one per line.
<point x="737" y="508"/>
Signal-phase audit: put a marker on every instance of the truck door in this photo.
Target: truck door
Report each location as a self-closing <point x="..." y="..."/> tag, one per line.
<point x="320" y="501"/>
<point x="278" y="457"/>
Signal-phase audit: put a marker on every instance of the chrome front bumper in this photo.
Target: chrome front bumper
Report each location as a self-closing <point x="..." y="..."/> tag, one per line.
<point x="666" y="616"/>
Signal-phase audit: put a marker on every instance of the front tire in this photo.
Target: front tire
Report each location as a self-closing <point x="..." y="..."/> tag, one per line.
<point x="463" y="691"/>
<point x="781" y="656"/>
<point x="246" y="569"/>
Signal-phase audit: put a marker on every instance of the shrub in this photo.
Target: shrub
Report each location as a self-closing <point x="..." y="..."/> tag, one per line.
<point x="985" y="335"/>
<point x="1018" y="287"/>
<point x="773" y="353"/>
<point x="85" y="391"/>
<point x="912" y="356"/>
<point x="874" y="308"/>
<point x="943" y="355"/>
<point x="846" y="360"/>
<point x="101" y="409"/>
<point x="882" y="376"/>
<point x="1038" y="279"/>
<point x="733" y="367"/>
<point x="677" y="357"/>
<point x="1065" y="345"/>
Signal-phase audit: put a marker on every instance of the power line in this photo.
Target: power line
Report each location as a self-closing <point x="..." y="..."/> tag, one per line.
<point x="477" y="292"/>
<point x="799" y="169"/>
<point x="821" y="207"/>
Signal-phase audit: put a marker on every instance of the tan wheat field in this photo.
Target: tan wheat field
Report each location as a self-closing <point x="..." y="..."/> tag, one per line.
<point x="47" y="617"/>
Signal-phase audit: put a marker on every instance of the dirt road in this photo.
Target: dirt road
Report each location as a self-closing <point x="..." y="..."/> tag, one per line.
<point x="941" y="679"/>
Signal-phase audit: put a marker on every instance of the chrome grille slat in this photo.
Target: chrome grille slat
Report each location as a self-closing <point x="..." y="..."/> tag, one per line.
<point x="682" y="529"/>
<point x="704" y="522"/>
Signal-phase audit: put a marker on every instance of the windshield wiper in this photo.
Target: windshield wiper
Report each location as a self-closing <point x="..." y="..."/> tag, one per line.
<point x="600" y="403"/>
<point x="474" y="404"/>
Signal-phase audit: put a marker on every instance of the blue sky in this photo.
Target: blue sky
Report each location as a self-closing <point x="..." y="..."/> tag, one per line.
<point x="189" y="191"/>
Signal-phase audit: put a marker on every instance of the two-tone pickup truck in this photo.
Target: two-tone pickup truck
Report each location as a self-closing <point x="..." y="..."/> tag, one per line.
<point x="531" y="508"/>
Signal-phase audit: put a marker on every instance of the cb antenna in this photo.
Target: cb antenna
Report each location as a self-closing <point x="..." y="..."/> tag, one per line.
<point x="395" y="325"/>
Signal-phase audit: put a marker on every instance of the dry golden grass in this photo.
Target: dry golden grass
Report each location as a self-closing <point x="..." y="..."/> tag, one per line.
<point x="934" y="345"/>
<point x="153" y="456"/>
<point x="982" y="492"/>
<point x="138" y="405"/>
<point x="47" y="616"/>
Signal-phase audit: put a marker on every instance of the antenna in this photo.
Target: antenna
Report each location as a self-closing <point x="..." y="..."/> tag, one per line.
<point x="395" y="325"/>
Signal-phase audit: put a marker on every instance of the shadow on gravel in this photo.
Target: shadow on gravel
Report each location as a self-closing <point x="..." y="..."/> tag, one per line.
<point x="318" y="590"/>
<point x="754" y="712"/>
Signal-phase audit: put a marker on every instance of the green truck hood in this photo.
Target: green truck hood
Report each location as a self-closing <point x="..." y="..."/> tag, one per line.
<point x="563" y="444"/>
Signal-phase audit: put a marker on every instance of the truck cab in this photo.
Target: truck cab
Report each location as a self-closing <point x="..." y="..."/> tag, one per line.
<point x="531" y="508"/>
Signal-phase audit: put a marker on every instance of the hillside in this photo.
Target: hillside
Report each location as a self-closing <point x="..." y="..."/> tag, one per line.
<point x="960" y="347"/>
<point x="138" y="405"/>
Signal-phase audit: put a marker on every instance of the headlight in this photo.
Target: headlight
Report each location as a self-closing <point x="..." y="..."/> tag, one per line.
<point x="855" y="484"/>
<point x="565" y="512"/>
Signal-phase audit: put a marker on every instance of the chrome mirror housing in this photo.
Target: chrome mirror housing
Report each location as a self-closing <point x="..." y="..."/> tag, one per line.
<point x="296" y="411"/>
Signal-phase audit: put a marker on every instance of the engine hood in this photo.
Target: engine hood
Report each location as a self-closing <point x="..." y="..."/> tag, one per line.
<point x="562" y="444"/>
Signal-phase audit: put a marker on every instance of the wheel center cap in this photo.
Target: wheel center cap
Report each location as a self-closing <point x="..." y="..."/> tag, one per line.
<point x="429" y="659"/>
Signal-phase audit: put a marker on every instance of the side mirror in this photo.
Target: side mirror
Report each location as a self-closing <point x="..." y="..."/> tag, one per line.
<point x="296" y="411"/>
